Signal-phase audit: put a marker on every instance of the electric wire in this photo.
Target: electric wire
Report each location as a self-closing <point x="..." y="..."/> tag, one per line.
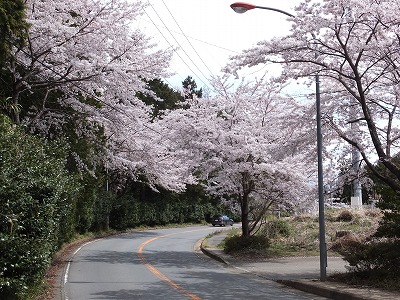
<point x="171" y="46"/>
<point x="193" y="38"/>
<point x="186" y="38"/>
<point x="180" y="46"/>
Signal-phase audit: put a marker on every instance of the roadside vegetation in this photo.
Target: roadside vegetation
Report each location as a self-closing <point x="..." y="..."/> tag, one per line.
<point x="299" y="235"/>
<point x="350" y="233"/>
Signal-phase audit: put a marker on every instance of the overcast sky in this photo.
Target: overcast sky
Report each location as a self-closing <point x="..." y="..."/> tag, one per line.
<point x="208" y="32"/>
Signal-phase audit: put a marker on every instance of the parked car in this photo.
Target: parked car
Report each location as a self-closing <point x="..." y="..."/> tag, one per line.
<point x="221" y="220"/>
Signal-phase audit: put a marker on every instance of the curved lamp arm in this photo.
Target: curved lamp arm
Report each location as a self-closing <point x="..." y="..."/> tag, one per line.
<point x="242" y="7"/>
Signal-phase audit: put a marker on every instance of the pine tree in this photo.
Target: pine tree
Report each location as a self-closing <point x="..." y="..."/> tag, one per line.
<point x="160" y="96"/>
<point x="190" y="88"/>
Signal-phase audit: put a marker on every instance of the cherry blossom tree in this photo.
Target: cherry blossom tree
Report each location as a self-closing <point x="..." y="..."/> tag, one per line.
<point x="139" y="148"/>
<point x="243" y="145"/>
<point x="354" y="47"/>
<point x="86" y="59"/>
<point x="87" y="49"/>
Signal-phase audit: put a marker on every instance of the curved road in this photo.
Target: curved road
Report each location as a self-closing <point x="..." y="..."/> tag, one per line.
<point x="162" y="263"/>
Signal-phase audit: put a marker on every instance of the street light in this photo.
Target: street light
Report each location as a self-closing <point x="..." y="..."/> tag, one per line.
<point x="241" y="7"/>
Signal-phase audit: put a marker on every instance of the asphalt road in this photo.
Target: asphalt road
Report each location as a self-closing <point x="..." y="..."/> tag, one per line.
<point x="162" y="264"/>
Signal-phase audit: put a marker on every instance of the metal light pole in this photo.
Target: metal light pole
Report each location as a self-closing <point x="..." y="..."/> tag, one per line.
<point x="323" y="259"/>
<point x="241" y="7"/>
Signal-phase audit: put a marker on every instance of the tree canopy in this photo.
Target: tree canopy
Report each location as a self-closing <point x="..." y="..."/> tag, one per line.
<point x="88" y="83"/>
<point x="244" y="148"/>
<point x="353" y="47"/>
<point x="86" y="62"/>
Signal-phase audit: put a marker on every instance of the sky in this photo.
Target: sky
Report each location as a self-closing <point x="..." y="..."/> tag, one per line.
<point x="207" y="32"/>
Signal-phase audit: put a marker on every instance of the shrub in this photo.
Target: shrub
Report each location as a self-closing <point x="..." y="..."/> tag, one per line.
<point x="275" y="228"/>
<point x="373" y="213"/>
<point x="345" y="216"/>
<point x="375" y="255"/>
<point x="252" y="243"/>
<point x="303" y="218"/>
<point x="345" y="242"/>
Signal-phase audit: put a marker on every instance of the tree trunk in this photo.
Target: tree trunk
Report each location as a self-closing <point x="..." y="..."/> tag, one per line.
<point x="248" y="186"/>
<point x="244" y="203"/>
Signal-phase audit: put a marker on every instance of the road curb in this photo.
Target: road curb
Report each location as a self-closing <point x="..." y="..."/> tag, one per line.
<point x="211" y="253"/>
<point x="313" y="288"/>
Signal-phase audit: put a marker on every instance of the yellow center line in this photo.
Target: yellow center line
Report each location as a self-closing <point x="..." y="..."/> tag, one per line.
<point x="160" y="275"/>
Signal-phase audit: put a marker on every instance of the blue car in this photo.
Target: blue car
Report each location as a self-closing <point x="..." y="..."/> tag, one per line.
<point x="221" y="220"/>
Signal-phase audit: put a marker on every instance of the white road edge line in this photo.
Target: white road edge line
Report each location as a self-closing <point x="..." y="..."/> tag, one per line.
<point x="69" y="264"/>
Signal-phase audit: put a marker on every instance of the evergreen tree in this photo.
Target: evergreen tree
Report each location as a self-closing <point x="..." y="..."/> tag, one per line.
<point x="12" y="26"/>
<point x="345" y="184"/>
<point x="389" y="202"/>
<point x="190" y="88"/>
<point x="160" y="96"/>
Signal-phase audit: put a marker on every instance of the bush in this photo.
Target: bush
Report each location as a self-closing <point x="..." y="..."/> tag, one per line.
<point x="303" y="218"/>
<point x="345" y="242"/>
<point x="129" y="211"/>
<point x="373" y="213"/>
<point x="275" y="228"/>
<point x="375" y="255"/>
<point x="252" y="243"/>
<point x="345" y="216"/>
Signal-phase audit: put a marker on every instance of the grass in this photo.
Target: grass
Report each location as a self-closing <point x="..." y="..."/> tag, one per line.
<point x="299" y="235"/>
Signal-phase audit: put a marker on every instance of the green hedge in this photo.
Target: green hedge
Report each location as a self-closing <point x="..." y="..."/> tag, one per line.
<point x="35" y="204"/>
<point x="129" y="212"/>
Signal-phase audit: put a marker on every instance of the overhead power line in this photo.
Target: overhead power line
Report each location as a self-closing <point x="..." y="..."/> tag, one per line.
<point x="172" y="46"/>
<point x="180" y="46"/>
<point x="193" y="38"/>
<point x="194" y="49"/>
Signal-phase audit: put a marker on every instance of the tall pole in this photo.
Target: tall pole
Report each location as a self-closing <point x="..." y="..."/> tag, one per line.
<point x="241" y="7"/>
<point x="355" y="153"/>
<point x="323" y="261"/>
